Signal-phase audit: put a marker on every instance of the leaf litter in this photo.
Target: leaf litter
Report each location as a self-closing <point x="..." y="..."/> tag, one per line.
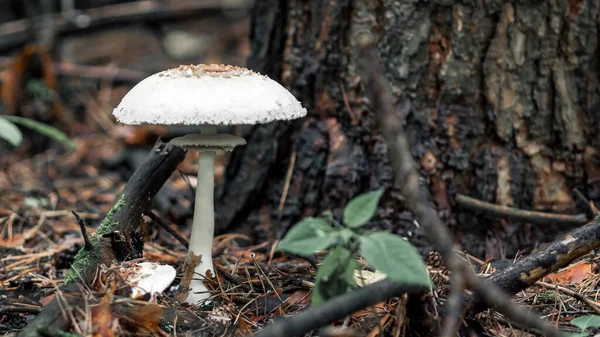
<point x="252" y="284"/>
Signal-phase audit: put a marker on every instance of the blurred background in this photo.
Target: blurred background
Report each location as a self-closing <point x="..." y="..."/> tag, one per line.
<point x="68" y="63"/>
<point x="64" y="66"/>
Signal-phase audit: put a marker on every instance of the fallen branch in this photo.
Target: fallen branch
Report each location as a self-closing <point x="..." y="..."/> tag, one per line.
<point x="336" y="309"/>
<point x="112" y="73"/>
<point x="117" y="239"/>
<point x="16" y="33"/>
<point x="516" y="214"/>
<point x="529" y="270"/>
<point x="406" y="177"/>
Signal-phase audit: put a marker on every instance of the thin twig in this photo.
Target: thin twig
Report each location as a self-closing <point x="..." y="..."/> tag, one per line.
<point x="406" y="175"/>
<point x="336" y="309"/>
<point x="593" y="305"/>
<point x="582" y="202"/>
<point x="232" y="278"/>
<point x="347" y="103"/>
<point x="83" y="225"/>
<point x="541" y="218"/>
<point x="157" y="220"/>
<point x="98" y="72"/>
<point x="261" y="271"/>
<point x="85" y="71"/>
<point x="288" y="179"/>
<point x="188" y="182"/>
<point x="454" y="316"/>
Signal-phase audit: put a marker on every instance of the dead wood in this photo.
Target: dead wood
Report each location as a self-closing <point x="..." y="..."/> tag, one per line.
<point x="533" y="268"/>
<point x="515" y="214"/>
<point x="118" y="238"/>
<point x="337" y="308"/>
<point x="18" y="32"/>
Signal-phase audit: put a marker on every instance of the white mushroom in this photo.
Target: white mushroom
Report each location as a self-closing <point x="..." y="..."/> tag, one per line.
<point x="149" y="277"/>
<point x="208" y="96"/>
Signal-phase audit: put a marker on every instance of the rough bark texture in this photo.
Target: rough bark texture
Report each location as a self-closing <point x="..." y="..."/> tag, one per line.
<point x="503" y="107"/>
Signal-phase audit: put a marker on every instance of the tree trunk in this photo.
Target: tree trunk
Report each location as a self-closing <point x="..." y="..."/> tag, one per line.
<point x="499" y="99"/>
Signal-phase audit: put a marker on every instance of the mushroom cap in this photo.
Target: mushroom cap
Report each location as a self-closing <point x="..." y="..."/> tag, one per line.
<point x="207" y="94"/>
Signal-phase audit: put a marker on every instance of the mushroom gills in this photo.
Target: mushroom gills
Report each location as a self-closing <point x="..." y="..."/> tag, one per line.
<point x="208" y="142"/>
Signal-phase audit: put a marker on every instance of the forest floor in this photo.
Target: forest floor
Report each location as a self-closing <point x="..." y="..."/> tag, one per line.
<point x="41" y="184"/>
<point x="39" y="237"/>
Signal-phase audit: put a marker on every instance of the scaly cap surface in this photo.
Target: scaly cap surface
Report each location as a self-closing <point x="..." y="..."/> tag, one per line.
<point x="207" y="94"/>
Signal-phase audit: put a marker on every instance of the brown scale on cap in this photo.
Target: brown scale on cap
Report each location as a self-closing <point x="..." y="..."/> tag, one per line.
<point x="212" y="70"/>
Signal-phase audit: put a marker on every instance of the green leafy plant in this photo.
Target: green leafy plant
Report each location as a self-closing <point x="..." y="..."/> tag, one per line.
<point x="388" y="253"/>
<point x="11" y="133"/>
<point x="584" y="323"/>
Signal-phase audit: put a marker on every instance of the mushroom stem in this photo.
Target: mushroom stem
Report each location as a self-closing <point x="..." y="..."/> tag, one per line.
<point x="201" y="238"/>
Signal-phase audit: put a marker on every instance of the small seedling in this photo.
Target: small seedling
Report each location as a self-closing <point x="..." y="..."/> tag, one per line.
<point x="384" y="251"/>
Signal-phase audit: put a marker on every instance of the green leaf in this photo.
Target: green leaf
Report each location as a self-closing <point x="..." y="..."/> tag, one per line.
<point x="396" y="257"/>
<point x="578" y="334"/>
<point x="9" y="132"/>
<point x="362" y="208"/>
<point x="335" y="276"/>
<point x="307" y="237"/>
<point x="345" y="234"/>
<point x="43" y="129"/>
<point x="327" y="215"/>
<point x="585" y="322"/>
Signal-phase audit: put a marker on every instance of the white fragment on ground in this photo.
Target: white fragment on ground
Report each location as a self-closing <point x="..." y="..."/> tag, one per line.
<point x="365" y="277"/>
<point x="222" y="314"/>
<point x="150" y="277"/>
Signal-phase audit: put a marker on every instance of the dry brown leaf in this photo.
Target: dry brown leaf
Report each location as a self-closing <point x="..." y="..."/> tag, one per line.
<point x="299" y="297"/>
<point x="141" y="318"/>
<point x="573" y="274"/>
<point x="102" y="318"/>
<point x="13" y="241"/>
<point x="191" y="261"/>
<point x="244" y="329"/>
<point x="11" y="91"/>
<point x="46" y="300"/>
<point x="379" y="308"/>
<point x="384" y="322"/>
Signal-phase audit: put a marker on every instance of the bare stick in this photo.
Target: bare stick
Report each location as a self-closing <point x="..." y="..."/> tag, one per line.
<point x="406" y="176"/>
<point x="593" y="305"/>
<point x="454" y="316"/>
<point x="336" y="308"/>
<point x="157" y="220"/>
<point x="541" y="218"/>
<point x="86" y="238"/>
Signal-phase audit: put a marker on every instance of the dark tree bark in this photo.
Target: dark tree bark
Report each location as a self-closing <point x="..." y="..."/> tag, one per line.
<point x="499" y="99"/>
